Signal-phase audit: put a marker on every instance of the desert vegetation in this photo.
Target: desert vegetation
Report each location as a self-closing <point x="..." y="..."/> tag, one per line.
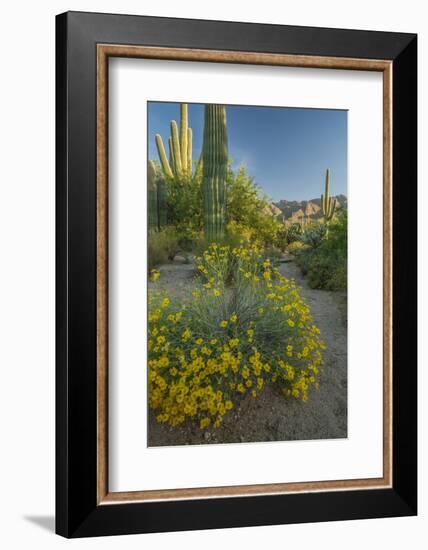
<point x="238" y="323"/>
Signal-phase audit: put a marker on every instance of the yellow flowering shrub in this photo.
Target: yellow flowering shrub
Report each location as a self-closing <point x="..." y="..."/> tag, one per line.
<point x="230" y="265"/>
<point x="244" y="327"/>
<point x="154" y="275"/>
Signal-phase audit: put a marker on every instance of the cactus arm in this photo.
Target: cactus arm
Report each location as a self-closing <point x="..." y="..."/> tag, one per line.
<point x="327" y="184"/>
<point x="151" y="173"/>
<point x="189" y="151"/>
<point x="334" y="207"/>
<point x="176" y="147"/>
<point x="184" y="125"/>
<point x="162" y="156"/>
<point x="180" y="161"/>
<point x="171" y="155"/>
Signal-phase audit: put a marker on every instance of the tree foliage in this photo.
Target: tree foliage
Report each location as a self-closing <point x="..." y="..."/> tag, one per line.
<point x="248" y="209"/>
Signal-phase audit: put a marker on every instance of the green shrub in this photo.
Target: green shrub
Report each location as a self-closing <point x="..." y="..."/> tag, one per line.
<point x="184" y="203"/>
<point x="162" y="246"/>
<point x="292" y="232"/>
<point x="295" y="246"/>
<point x="238" y="232"/>
<point x="272" y="253"/>
<point x="314" y="235"/>
<point x="326" y="265"/>
<point x="247" y="211"/>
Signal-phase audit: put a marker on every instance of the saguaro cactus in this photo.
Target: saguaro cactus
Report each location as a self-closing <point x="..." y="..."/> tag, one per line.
<point x="328" y="204"/>
<point x="152" y="196"/>
<point x="162" y="201"/>
<point x="180" y="161"/>
<point x="157" y="197"/>
<point x="303" y="222"/>
<point x="214" y="160"/>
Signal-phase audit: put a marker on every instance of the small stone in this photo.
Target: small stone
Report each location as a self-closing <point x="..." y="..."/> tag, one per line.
<point x="207" y="436"/>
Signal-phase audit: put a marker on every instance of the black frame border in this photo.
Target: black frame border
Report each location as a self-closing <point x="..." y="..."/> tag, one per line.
<point x="77" y="512"/>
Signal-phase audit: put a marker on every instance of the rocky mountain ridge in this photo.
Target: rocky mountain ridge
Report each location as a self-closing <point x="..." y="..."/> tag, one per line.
<point x="295" y="210"/>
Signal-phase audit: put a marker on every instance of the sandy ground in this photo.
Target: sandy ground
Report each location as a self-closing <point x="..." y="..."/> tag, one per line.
<point x="272" y="417"/>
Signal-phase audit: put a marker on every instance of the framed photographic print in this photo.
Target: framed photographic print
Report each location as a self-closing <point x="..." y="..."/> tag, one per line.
<point x="236" y="274"/>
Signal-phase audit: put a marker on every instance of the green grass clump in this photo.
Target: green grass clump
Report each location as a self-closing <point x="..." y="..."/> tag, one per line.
<point x="162" y="246"/>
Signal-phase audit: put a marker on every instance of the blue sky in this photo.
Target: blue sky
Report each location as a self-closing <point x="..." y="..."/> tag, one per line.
<point x="287" y="150"/>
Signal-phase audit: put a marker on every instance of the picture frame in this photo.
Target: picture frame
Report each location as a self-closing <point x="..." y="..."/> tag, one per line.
<point x="84" y="44"/>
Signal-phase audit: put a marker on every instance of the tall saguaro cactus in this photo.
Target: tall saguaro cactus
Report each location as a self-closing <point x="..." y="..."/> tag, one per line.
<point x="214" y="161"/>
<point x="180" y="161"/>
<point x="328" y="204"/>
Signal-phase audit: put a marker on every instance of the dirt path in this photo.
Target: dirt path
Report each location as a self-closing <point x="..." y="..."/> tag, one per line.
<point x="271" y="417"/>
<point x="176" y="278"/>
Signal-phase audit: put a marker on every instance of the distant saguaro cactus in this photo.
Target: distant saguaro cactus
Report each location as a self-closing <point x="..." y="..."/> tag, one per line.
<point x="180" y="162"/>
<point x="152" y="196"/>
<point x="162" y="201"/>
<point x="328" y="204"/>
<point x="303" y="221"/>
<point x="214" y="166"/>
<point x="157" y="197"/>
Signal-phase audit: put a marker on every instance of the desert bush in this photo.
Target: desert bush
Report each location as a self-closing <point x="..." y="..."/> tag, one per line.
<point x="294" y="232"/>
<point x="226" y="265"/>
<point x="226" y="341"/>
<point x="314" y="235"/>
<point x="273" y="253"/>
<point x="163" y="245"/>
<point x="247" y="209"/>
<point x="237" y="232"/>
<point x="295" y="246"/>
<point x="288" y="232"/>
<point x="247" y="215"/>
<point x="326" y="265"/>
<point x="184" y="204"/>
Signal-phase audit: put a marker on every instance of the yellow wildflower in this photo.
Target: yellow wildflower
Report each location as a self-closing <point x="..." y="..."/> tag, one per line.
<point x="154" y="275"/>
<point x="204" y="422"/>
<point x="186" y="335"/>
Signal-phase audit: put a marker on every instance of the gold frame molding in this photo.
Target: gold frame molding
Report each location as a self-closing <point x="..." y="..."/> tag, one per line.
<point x="104" y="52"/>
